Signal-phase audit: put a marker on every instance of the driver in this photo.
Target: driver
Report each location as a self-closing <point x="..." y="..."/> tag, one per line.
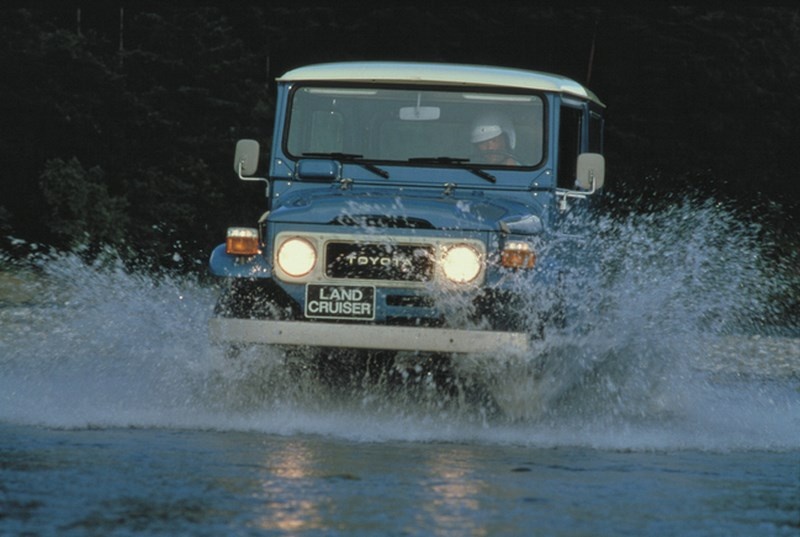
<point x="493" y="138"/>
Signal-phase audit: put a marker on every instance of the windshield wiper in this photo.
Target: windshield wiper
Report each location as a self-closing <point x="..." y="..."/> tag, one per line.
<point x="483" y="174"/>
<point x="439" y="160"/>
<point x="351" y="157"/>
<point x="334" y="154"/>
<point x="455" y="160"/>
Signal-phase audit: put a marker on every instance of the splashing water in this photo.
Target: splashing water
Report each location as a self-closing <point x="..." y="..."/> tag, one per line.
<point x="661" y="350"/>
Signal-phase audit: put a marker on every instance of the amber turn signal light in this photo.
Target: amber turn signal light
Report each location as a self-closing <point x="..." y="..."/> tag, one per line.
<point x="242" y="241"/>
<point x="518" y="255"/>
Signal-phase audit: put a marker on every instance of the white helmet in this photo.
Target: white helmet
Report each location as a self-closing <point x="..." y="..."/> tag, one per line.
<point x="492" y="125"/>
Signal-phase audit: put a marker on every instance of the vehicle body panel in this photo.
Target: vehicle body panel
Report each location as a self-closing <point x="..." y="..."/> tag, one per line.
<point x="414" y="239"/>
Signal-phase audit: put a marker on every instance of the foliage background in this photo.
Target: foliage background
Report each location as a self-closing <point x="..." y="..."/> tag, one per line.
<point x="118" y="123"/>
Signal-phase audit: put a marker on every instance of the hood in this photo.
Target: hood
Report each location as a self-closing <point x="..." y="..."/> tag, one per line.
<point x="468" y="211"/>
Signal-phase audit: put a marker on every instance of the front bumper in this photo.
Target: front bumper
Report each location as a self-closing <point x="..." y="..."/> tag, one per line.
<point x="375" y="337"/>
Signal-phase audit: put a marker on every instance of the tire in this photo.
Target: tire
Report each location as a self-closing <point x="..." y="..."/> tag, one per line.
<point x="254" y="299"/>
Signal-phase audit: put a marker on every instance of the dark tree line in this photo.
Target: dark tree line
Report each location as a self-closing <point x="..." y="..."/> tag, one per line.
<point x="129" y="147"/>
<point x="118" y="125"/>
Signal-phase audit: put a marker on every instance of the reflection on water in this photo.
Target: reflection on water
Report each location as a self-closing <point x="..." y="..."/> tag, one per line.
<point x="455" y="493"/>
<point x="309" y="483"/>
<point x="285" y="505"/>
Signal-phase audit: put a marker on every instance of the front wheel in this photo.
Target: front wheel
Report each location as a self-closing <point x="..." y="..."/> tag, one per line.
<point x="511" y="312"/>
<point x="254" y="299"/>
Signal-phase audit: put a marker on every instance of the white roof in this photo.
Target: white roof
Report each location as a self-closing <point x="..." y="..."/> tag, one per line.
<point x="439" y="73"/>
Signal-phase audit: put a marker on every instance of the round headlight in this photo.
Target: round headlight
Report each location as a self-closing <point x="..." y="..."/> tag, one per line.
<point x="296" y="257"/>
<point x="461" y="264"/>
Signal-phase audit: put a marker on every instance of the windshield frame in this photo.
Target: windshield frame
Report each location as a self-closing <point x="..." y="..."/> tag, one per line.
<point x="539" y="125"/>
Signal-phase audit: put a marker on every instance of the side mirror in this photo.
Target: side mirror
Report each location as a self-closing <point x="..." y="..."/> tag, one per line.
<point x="245" y="162"/>
<point x="591" y="171"/>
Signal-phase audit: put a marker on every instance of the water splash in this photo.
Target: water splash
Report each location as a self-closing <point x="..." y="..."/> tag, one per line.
<point x="663" y="348"/>
<point x="97" y="344"/>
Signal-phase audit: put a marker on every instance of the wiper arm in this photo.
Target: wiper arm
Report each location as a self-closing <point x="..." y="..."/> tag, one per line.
<point x="483" y="174"/>
<point x="456" y="160"/>
<point x="439" y="160"/>
<point x="351" y="157"/>
<point x="374" y="169"/>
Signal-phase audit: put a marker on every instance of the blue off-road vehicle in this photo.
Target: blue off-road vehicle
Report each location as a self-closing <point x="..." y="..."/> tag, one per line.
<point x="409" y="211"/>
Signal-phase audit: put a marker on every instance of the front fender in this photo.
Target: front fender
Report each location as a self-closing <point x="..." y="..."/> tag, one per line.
<point x="223" y="264"/>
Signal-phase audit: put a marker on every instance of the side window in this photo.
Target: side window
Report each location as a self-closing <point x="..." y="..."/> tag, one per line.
<point x="595" y="133"/>
<point x="569" y="145"/>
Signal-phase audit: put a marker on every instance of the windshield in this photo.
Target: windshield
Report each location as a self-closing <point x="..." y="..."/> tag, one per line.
<point x="448" y="127"/>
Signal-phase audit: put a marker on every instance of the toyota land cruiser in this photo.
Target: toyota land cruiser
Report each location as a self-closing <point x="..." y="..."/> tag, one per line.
<point x="408" y="208"/>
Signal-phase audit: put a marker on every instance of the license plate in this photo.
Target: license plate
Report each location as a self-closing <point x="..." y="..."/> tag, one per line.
<point x="340" y="302"/>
